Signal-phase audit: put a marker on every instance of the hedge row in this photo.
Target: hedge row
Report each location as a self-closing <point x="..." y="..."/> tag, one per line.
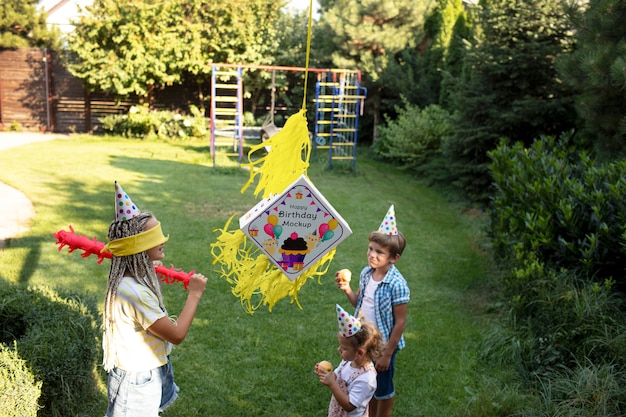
<point x="56" y="337"/>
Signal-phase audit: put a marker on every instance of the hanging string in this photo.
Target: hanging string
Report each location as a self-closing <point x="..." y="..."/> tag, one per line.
<point x="308" y="52"/>
<point x="253" y="278"/>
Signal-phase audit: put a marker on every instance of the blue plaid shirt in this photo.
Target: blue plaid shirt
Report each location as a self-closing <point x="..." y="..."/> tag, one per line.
<point x="391" y="291"/>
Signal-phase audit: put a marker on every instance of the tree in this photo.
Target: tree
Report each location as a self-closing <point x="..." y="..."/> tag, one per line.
<point x="595" y="69"/>
<point x="440" y="31"/>
<point x="133" y="47"/>
<point x="367" y="34"/>
<point x="23" y="25"/>
<point x="462" y="34"/>
<point x="512" y="89"/>
<point x="288" y="49"/>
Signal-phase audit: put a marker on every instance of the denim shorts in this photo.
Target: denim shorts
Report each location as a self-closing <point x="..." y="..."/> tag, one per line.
<point x="141" y="393"/>
<point x="385" y="388"/>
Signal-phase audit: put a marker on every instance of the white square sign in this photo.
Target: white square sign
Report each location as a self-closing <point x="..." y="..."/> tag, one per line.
<point x="295" y="228"/>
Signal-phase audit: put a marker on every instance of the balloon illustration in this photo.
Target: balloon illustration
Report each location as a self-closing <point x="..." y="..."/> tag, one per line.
<point x="278" y="230"/>
<point x="328" y="235"/>
<point x="332" y="224"/>
<point x="323" y="228"/>
<point x="269" y="229"/>
<point x="272" y="219"/>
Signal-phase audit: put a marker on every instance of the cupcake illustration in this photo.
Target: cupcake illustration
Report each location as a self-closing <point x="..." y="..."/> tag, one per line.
<point x="293" y="251"/>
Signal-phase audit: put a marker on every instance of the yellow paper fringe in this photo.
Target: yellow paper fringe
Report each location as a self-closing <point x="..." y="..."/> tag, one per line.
<point x="287" y="160"/>
<point x="255" y="280"/>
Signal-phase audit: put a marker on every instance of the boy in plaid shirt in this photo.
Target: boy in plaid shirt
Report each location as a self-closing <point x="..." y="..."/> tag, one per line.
<point x="382" y="298"/>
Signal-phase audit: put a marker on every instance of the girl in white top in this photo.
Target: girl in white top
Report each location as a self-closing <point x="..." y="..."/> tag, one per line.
<point x="354" y="381"/>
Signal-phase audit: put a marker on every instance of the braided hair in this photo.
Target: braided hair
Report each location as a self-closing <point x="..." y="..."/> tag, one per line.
<point x="138" y="266"/>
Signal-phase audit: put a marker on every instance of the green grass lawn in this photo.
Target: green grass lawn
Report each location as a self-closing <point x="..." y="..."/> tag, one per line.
<point x="232" y="363"/>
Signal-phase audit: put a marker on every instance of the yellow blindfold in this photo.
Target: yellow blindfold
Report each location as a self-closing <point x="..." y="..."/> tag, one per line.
<point x="138" y="243"/>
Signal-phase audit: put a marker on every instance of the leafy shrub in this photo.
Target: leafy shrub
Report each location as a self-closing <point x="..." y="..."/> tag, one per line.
<point x="19" y="391"/>
<point x="558" y="225"/>
<point x="141" y="122"/>
<point x="57" y="336"/>
<point x="415" y="137"/>
<point x="560" y="205"/>
<point x="248" y="119"/>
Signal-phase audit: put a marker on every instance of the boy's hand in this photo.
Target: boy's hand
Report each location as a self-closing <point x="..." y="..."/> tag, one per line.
<point x="382" y="364"/>
<point x="342" y="279"/>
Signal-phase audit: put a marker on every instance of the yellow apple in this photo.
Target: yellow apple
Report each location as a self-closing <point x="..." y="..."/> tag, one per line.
<point x="325" y="365"/>
<point x="344" y="275"/>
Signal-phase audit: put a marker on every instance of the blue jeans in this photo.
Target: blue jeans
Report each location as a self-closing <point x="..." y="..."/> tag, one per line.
<point x="141" y="393"/>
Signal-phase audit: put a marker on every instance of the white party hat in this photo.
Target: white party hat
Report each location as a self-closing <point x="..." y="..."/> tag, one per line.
<point x="388" y="226"/>
<point x="348" y="324"/>
<point x="124" y="207"/>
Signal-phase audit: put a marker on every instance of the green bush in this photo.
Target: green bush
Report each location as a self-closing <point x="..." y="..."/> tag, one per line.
<point x="414" y="139"/>
<point x="558" y="225"/>
<point x="562" y="206"/>
<point x="19" y="391"/>
<point x="141" y="122"/>
<point x="57" y="336"/>
<point x="555" y="321"/>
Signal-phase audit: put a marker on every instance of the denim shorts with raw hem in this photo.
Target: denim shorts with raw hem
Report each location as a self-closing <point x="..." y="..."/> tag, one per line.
<point x="141" y="393"/>
<point x="384" y="380"/>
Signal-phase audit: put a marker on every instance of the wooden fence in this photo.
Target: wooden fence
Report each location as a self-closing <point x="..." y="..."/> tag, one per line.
<point x="38" y="93"/>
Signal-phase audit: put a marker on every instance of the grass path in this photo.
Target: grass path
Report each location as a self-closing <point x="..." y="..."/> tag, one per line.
<point x="234" y="364"/>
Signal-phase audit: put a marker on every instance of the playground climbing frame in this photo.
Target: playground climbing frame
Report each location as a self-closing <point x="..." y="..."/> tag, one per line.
<point x="339" y="100"/>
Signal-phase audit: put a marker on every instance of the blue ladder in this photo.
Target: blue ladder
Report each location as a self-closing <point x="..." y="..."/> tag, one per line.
<point x="339" y="100"/>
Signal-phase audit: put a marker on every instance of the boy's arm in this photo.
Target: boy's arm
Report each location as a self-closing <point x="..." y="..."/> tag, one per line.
<point x="399" y="313"/>
<point x="345" y="287"/>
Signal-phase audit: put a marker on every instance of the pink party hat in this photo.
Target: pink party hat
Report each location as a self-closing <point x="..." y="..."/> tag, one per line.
<point x="388" y="226"/>
<point x="348" y="324"/>
<point x="124" y="207"/>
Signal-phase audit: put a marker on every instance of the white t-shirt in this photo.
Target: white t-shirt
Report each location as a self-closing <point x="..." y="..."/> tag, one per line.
<point x="360" y="390"/>
<point x="137" y="308"/>
<point x="368" y="308"/>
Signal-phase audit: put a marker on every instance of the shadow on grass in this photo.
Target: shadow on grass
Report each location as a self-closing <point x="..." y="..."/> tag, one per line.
<point x="32" y="247"/>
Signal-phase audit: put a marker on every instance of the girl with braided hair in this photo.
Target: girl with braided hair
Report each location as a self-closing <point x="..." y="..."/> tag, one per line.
<point x="138" y="333"/>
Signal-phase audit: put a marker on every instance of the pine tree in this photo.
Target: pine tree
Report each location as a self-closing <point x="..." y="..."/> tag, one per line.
<point x="368" y="35"/>
<point x="462" y="33"/>
<point x="511" y="90"/>
<point x="597" y="71"/>
<point x="23" y="25"/>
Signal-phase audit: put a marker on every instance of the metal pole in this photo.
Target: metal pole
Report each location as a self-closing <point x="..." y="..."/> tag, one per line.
<point x="45" y="64"/>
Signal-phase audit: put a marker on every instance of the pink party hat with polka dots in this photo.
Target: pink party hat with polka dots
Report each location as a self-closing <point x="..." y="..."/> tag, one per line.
<point x="388" y="226"/>
<point x="124" y="207"/>
<point x="348" y="324"/>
